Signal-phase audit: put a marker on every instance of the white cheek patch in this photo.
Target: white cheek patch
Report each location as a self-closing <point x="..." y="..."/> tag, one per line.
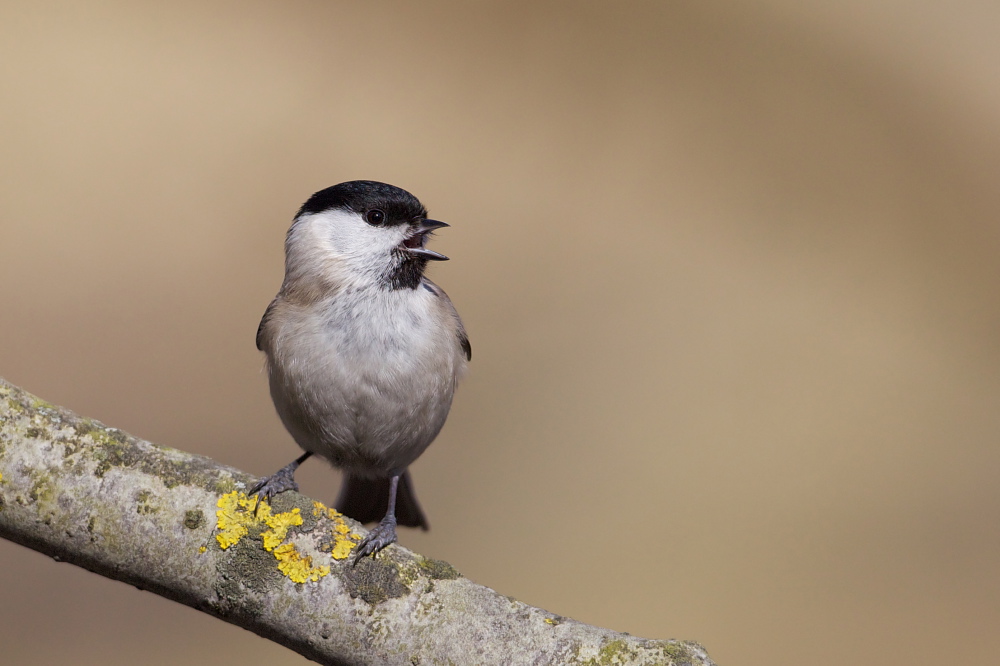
<point x="346" y="236"/>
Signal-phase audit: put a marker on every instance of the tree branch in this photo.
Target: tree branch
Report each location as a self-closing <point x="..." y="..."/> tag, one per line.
<point x="181" y="526"/>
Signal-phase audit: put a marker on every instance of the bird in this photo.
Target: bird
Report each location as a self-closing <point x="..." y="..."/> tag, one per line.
<point x="362" y="351"/>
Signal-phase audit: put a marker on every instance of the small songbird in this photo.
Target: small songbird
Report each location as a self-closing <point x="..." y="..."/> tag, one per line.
<point x="363" y="351"/>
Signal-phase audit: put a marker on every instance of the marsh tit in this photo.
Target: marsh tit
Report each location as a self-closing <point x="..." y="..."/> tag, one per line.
<point x="363" y="351"/>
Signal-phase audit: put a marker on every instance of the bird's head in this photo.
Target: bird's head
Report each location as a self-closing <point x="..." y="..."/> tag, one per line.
<point x="359" y="232"/>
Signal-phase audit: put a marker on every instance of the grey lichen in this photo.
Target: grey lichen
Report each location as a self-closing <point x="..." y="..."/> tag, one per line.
<point x="374" y="580"/>
<point x="110" y="447"/>
<point x="620" y="652"/>
<point x="145" y="504"/>
<point x="437" y="569"/>
<point x="194" y="518"/>
<point x="246" y="573"/>
<point x="41" y="487"/>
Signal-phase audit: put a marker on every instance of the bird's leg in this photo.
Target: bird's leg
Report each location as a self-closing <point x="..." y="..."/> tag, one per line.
<point x="385" y="532"/>
<point x="279" y="482"/>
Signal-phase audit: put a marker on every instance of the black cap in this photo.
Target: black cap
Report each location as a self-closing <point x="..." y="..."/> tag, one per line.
<point x="361" y="196"/>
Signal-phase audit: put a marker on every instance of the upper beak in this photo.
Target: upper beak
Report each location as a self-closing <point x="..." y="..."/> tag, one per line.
<point x="431" y="225"/>
<point x="422" y="229"/>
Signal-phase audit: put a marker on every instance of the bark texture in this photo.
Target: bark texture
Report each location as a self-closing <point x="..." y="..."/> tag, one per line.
<point x="181" y="526"/>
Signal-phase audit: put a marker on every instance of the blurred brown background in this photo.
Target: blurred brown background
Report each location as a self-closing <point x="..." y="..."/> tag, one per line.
<point x="730" y="273"/>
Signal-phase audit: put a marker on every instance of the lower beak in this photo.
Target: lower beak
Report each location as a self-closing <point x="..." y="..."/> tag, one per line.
<point x="427" y="254"/>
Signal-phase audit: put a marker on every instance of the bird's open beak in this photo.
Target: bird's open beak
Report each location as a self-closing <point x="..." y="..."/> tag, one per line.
<point x="415" y="243"/>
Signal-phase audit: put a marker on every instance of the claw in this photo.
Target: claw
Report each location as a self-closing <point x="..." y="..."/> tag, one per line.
<point x="269" y="486"/>
<point x="282" y="480"/>
<point x="381" y="536"/>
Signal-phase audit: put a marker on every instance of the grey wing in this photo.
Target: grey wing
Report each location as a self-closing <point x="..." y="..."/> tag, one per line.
<point x="263" y="322"/>
<point x="463" y="337"/>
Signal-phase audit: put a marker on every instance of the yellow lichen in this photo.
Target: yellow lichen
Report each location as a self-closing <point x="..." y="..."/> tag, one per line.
<point x="233" y="521"/>
<point x="342" y="545"/>
<point x="237" y="512"/>
<point x="202" y="550"/>
<point x="296" y="567"/>
<point x="279" y="524"/>
<point x="342" y="535"/>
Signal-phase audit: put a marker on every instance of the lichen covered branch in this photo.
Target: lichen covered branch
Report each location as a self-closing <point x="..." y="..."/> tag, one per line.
<point x="182" y="526"/>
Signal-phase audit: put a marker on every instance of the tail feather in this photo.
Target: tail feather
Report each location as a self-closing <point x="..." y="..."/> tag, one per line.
<point x="366" y="501"/>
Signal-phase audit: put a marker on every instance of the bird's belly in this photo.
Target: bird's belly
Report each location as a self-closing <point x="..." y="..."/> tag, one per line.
<point x="368" y="405"/>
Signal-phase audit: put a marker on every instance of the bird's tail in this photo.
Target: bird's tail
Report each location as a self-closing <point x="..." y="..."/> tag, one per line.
<point x="366" y="501"/>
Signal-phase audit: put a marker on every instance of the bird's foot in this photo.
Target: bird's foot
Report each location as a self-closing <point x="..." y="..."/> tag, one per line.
<point x="269" y="486"/>
<point x="381" y="536"/>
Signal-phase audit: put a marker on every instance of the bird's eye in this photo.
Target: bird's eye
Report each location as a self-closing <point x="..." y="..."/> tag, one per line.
<point x="375" y="217"/>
